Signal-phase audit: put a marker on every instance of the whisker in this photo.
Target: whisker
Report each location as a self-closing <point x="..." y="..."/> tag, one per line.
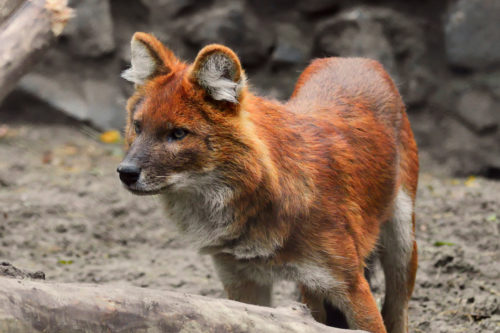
<point x="90" y="132"/>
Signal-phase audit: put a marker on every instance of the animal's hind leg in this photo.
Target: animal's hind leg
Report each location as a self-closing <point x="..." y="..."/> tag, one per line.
<point x="370" y="267"/>
<point x="398" y="256"/>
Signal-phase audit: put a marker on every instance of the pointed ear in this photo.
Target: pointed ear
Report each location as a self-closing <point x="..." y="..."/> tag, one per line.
<point x="149" y="58"/>
<point x="218" y="71"/>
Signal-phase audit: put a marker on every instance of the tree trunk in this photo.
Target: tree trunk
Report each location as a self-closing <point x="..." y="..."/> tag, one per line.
<point x="27" y="29"/>
<point x="33" y="306"/>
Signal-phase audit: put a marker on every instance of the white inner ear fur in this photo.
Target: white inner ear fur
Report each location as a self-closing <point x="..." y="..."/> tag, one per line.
<point x="213" y="77"/>
<point x="143" y="64"/>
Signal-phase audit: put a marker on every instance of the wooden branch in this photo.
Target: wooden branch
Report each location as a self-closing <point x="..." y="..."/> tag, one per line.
<point x="29" y="27"/>
<point x="33" y="306"/>
<point x="7" y="7"/>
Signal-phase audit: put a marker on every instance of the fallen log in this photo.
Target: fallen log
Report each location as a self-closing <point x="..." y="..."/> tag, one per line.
<point x="7" y="7"/>
<point x="28" y="28"/>
<point x="33" y="306"/>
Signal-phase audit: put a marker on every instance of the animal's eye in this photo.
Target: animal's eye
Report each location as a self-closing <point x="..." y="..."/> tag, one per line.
<point x="177" y="134"/>
<point x="137" y="127"/>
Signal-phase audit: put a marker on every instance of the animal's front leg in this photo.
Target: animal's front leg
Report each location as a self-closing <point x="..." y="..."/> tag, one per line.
<point x="238" y="284"/>
<point x="315" y="303"/>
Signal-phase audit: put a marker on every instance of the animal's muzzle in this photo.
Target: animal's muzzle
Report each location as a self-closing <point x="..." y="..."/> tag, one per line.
<point x="129" y="173"/>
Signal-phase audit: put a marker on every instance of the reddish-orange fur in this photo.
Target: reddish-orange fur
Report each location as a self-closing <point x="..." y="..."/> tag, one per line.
<point x="314" y="178"/>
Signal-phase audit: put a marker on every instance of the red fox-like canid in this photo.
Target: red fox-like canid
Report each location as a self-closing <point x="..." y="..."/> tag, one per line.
<point x="305" y="190"/>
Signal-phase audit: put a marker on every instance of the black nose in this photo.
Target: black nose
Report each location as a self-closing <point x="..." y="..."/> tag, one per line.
<point x="129" y="173"/>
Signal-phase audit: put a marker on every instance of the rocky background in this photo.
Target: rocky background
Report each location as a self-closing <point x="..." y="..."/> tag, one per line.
<point x="443" y="55"/>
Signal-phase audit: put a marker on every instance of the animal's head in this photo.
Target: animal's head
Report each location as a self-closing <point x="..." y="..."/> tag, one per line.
<point x="183" y="119"/>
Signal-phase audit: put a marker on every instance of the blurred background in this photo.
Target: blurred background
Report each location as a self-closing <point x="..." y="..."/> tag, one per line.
<point x="63" y="210"/>
<point x="443" y="55"/>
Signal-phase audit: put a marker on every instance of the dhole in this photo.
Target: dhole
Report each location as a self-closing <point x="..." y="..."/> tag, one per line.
<point x="305" y="190"/>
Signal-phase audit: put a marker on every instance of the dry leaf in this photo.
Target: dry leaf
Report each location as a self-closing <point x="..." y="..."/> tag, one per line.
<point x="471" y="181"/>
<point x="112" y="136"/>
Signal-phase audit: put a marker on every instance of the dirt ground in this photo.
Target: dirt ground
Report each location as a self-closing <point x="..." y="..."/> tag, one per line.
<point x="64" y="212"/>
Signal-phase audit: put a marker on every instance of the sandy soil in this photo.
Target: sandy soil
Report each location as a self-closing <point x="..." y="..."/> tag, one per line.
<point x="64" y="212"/>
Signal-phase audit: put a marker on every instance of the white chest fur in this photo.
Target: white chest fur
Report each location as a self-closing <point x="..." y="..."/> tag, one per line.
<point x="199" y="207"/>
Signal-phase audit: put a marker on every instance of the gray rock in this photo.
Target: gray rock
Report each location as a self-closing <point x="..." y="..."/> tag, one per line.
<point x="479" y="110"/>
<point x="169" y="8"/>
<point x="489" y="81"/>
<point x="234" y="27"/>
<point x="456" y="145"/>
<point x="291" y="46"/>
<point x="462" y="128"/>
<point x="384" y="35"/>
<point x="93" y="100"/>
<point x="130" y="16"/>
<point x="355" y="33"/>
<point x="318" y="6"/>
<point x="90" y="32"/>
<point x="472" y="33"/>
<point x="278" y="85"/>
<point x="266" y="8"/>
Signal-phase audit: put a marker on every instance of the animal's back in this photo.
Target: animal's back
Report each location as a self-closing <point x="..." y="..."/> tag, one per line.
<point x="354" y="92"/>
<point x="332" y="83"/>
<point x="370" y="143"/>
<point x="357" y="104"/>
